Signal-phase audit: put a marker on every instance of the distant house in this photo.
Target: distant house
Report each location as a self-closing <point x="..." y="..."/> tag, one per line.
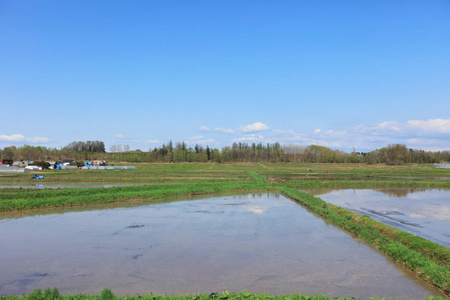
<point x="65" y="162"/>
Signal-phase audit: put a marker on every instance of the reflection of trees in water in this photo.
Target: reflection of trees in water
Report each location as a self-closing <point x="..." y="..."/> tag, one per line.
<point x="393" y="192"/>
<point x="399" y="193"/>
<point x="319" y="192"/>
<point x="258" y="196"/>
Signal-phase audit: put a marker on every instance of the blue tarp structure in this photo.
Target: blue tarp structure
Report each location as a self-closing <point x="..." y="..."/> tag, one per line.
<point x="37" y="176"/>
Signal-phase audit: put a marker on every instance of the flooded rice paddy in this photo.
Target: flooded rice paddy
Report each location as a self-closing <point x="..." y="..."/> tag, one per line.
<point x="423" y="212"/>
<point x="258" y="242"/>
<point x="70" y="185"/>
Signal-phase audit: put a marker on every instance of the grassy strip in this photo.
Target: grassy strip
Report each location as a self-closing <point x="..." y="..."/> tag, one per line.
<point x="179" y="179"/>
<point x="13" y="194"/>
<point x="119" y="194"/>
<point x="427" y="259"/>
<point x="258" y="178"/>
<point x="107" y="294"/>
<point x="10" y="201"/>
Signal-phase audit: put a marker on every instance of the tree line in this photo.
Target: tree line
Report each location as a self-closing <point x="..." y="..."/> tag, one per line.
<point x="89" y="146"/>
<point x="238" y="152"/>
<point x="74" y="150"/>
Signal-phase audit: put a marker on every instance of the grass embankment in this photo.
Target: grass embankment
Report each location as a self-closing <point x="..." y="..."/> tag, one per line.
<point x="428" y="260"/>
<point x="10" y="201"/>
<point x="107" y="294"/>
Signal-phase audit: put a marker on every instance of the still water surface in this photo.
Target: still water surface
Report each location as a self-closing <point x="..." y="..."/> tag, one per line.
<point x="423" y="212"/>
<point x="257" y="242"/>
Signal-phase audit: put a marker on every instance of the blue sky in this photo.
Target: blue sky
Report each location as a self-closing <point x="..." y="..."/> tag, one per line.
<point x="342" y="74"/>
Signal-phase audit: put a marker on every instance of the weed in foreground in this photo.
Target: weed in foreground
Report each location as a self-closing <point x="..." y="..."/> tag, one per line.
<point x="107" y="294"/>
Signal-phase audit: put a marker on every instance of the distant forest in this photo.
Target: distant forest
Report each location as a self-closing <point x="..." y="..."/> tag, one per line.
<point x="238" y="152"/>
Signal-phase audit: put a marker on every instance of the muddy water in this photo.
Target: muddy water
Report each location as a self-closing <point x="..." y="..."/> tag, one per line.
<point x="258" y="242"/>
<point x="423" y="212"/>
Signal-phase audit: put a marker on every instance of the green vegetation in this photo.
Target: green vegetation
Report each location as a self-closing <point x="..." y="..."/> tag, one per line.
<point x="429" y="261"/>
<point x="158" y="181"/>
<point x="66" y="197"/>
<point x="238" y="152"/>
<point x="107" y="294"/>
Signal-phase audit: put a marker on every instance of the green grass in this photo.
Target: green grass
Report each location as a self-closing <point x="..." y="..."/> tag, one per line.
<point x="428" y="260"/>
<point x="107" y="294"/>
<point x="74" y="197"/>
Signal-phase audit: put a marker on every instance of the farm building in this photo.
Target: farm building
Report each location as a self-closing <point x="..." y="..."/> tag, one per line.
<point x="6" y="162"/>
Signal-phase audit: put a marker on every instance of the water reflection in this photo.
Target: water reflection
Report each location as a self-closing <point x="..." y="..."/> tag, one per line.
<point x="8" y="216"/>
<point x="423" y="212"/>
<point x="399" y="193"/>
<point x="257" y="242"/>
<point x="391" y="192"/>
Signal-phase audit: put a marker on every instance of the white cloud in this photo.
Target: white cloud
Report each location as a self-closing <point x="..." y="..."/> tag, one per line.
<point x="224" y="130"/>
<point x="289" y="135"/>
<point x="255" y="127"/>
<point x="440" y="126"/>
<point x="317" y="130"/>
<point x="256" y="209"/>
<point x="204" y="128"/>
<point x="199" y="140"/>
<point x="431" y="127"/>
<point x="22" y="138"/>
<point x="248" y="137"/>
<point x="38" y="139"/>
<point x="152" y="141"/>
<point x="430" y="135"/>
<point x="196" y="138"/>
<point x="12" y="138"/>
<point x="120" y="136"/>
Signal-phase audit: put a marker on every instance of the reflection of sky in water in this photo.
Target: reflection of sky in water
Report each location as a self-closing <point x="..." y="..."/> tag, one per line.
<point x="256" y="242"/>
<point x="423" y="212"/>
<point x="252" y="204"/>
